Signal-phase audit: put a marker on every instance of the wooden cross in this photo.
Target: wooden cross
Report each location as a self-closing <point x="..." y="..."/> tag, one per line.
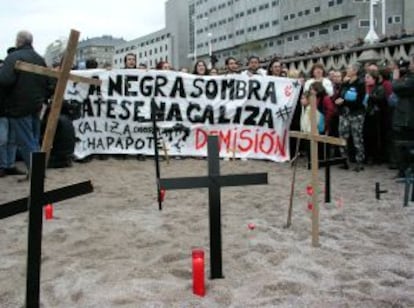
<point x="314" y="138"/>
<point x="214" y="181"/>
<point x="34" y="203"/>
<point x="62" y="75"/>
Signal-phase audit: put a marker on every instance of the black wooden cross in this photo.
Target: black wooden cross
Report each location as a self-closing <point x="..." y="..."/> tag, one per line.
<point x="156" y="152"/>
<point x="34" y="204"/>
<point x="327" y="163"/>
<point x="214" y="181"/>
<point x="408" y="180"/>
<point x="379" y="191"/>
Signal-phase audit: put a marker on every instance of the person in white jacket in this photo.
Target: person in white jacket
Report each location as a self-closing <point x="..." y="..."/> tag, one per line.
<point x="317" y="74"/>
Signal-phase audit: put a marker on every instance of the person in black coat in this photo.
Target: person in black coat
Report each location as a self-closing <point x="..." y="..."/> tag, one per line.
<point x="403" y="116"/>
<point x="7" y="141"/>
<point x="25" y="94"/>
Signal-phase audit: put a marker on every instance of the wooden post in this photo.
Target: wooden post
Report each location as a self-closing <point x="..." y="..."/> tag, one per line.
<point x="314" y="138"/>
<point x="56" y="107"/>
<point x="315" y="170"/>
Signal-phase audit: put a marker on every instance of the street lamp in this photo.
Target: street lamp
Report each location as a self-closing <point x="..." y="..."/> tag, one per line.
<point x="372" y="36"/>
<point x="210" y="47"/>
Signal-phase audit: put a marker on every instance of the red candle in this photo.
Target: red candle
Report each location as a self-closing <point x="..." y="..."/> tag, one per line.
<point x="162" y="194"/>
<point x="309" y="190"/>
<point x="49" y="211"/>
<point x="198" y="272"/>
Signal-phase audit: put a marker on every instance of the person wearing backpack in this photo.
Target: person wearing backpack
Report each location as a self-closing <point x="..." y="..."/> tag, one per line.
<point x="352" y="114"/>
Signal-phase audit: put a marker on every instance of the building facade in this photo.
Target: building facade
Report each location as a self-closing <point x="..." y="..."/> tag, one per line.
<point x="270" y="28"/>
<point x="101" y="49"/>
<point x="149" y="49"/>
<point x="168" y="44"/>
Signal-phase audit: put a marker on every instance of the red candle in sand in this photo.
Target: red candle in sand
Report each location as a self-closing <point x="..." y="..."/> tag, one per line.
<point x="162" y="195"/>
<point x="309" y="190"/>
<point x="198" y="272"/>
<point x="49" y="211"/>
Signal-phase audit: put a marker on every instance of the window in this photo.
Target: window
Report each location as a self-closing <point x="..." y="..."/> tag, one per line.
<point x="363" y="23"/>
<point x="300" y="13"/>
<point x="311" y="33"/>
<point x="286" y="17"/>
<point x="397" y="19"/>
<point x="289" y="38"/>
<point x="344" y="26"/>
<point x="296" y="37"/>
<point x="323" y="31"/>
<point x="331" y="3"/>
<point x="317" y="9"/>
<point x="292" y="16"/>
<point x="335" y="28"/>
<point x="307" y="12"/>
<point x="275" y="22"/>
<point x="339" y="2"/>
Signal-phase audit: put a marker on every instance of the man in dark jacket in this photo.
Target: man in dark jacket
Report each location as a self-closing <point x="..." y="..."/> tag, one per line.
<point x="7" y="139"/>
<point x="25" y="94"/>
<point x="403" y="116"/>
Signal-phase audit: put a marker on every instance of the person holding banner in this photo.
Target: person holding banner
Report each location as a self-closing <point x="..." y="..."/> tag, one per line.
<point x="232" y="66"/>
<point x="253" y="67"/>
<point x="200" y="68"/>
<point x="130" y="61"/>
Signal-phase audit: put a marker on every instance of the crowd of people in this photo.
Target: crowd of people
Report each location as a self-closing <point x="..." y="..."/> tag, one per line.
<point x="371" y="107"/>
<point x="341" y="46"/>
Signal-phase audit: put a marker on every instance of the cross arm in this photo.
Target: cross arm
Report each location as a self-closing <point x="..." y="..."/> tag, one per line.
<point x="222" y="180"/>
<point x="60" y="194"/>
<point x="243" y="179"/>
<point x="37" y="69"/>
<point x="318" y="138"/>
<point x="184" y="183"/>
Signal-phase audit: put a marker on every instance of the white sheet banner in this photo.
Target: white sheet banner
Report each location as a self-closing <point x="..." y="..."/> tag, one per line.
<point x="251" y="115"/>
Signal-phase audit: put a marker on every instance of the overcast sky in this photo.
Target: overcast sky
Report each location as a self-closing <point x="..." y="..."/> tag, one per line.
<point x="49" y="20"/>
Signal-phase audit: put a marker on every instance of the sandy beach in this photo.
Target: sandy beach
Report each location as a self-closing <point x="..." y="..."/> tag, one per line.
<point x="114" y="248"/>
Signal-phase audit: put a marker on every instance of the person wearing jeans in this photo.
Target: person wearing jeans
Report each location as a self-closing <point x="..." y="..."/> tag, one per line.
<point x="25" y="93"/>
<point x="7" y="149"/>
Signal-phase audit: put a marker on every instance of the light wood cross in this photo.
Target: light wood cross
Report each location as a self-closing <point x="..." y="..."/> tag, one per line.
<point x="62" y="75"/>
<point x="314" y="138"/>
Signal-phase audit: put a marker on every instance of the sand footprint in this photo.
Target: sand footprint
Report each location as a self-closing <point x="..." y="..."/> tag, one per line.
<point x="181" y="274"/>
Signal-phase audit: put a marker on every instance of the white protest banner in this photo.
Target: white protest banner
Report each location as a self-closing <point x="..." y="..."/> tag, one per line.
<point x="251" y="115"/>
